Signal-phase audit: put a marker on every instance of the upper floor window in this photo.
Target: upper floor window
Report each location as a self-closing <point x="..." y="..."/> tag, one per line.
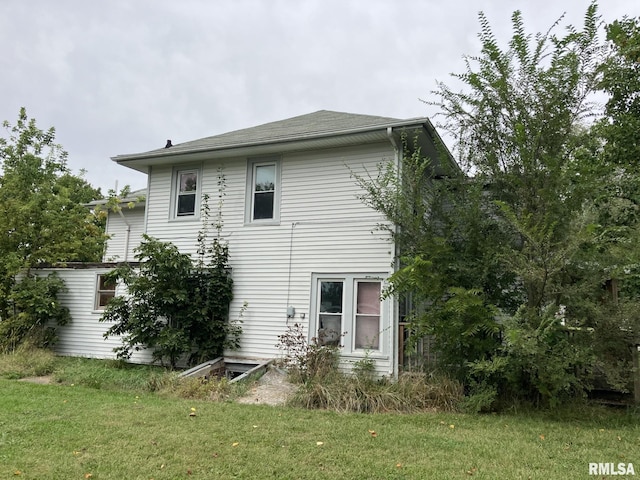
<point x="185" y="193"/>
<point x="263" y="183"/>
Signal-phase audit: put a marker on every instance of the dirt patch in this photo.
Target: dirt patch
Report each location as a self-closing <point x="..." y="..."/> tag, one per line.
<point x="44" y="380"/>
<point x="273" y="388"/>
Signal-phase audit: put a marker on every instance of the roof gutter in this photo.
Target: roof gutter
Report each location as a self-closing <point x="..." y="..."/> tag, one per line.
<point x="163" y="153"/>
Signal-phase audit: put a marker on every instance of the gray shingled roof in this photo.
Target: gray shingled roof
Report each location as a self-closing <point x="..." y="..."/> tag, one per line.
<point x="312" y="125"/>
<point x="137" y="196"/>
<point x="320" y="122"/>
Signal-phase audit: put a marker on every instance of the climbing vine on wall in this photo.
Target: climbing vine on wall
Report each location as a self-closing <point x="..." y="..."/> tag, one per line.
<point x="177" y="308"/>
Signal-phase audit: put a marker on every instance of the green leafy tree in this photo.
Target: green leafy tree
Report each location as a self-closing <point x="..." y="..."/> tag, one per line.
<point x="42" y="216"/>
<point x="504" y="263"/>
<point x="41" y="212"/>
<point x="43" y="219"/>
<point x="522" y="126"/>
<point x="449" y="238"/>
<point x="34" y="308"/>
<point x="619" y="201"/>
<point x="621" y="81"/>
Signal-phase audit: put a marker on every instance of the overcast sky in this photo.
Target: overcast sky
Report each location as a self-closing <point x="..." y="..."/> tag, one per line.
<point x="120" y="76"/>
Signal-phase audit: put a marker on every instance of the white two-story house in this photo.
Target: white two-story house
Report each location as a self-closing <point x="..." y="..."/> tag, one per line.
<point x="303" y="247"/>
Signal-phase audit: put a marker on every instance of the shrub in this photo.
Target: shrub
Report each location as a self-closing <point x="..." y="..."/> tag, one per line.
<point x="173" y="308"/>
<point x="178" y="309"/>
<point x="538" y="362"/>
<point x="34" y="309"/>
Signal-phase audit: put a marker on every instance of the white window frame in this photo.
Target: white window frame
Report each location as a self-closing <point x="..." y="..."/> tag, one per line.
<point x="175" y="192"/>
<point x="99" y="292"/>
<point x="350" y="283"/>
<point x="252" y="165"/>
<point x="375" y="339"/>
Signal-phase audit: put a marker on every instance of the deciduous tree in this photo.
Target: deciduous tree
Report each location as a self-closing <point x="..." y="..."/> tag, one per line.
<point x="518" y="249"/>
<point x="42" y="215"/>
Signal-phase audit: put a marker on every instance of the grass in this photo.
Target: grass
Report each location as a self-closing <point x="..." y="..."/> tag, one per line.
<point x="108" y="420"/>
<point x="114" y="375"/>
<point x="64" y="431"/>
<point x="104" y="374"/>
<point x="109" y="374"/>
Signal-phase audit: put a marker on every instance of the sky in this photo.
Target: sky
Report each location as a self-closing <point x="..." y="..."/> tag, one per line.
<point x="123" y="76"/>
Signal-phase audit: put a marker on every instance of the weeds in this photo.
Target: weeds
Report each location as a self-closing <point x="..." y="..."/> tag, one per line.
<point x="27" y="361"/>
<point x="410" y="393"/>
<point x="116" y="375"/>
<point x="198" y="388"/>
<point x="324" y="386"/>
<point x="306" y="360"/>
<point x="104" y="374"/>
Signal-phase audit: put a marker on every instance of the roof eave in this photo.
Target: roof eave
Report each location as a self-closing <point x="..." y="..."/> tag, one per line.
<point x="142" y="159"/>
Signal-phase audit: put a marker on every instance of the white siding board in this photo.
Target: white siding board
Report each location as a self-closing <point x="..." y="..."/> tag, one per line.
<point x="333" y="232"/>
<point x="324" y="228"/>
<point x="117" y="230"/>
<point x="83" y="336"/>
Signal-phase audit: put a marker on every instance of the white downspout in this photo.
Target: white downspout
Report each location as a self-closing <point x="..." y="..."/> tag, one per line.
<point x="396" y="310"/>
<point x="126" y="237"/>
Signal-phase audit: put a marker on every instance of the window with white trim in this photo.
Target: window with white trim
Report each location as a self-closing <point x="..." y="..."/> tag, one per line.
<point x="349" y="312"/>
<point x="186" y="185"/>
<point x="367" y="315"/>
<point x="330" y="310"/>
<point x="105" y="291"/>
<point x="263" y="199"/>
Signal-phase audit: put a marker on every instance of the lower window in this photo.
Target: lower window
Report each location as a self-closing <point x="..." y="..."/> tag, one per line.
<point x="349" y="312"/>
<point x="367" y="315"/>
<point x="105" y="291"/>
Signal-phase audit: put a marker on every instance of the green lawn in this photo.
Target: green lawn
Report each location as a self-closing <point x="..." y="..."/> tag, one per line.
<point x="68" y="432"/>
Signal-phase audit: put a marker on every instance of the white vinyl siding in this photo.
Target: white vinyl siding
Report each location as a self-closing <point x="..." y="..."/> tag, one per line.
<point x="83" y="335"/>
<point x="124" y="234"/>
<point x="323" y="228"/>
